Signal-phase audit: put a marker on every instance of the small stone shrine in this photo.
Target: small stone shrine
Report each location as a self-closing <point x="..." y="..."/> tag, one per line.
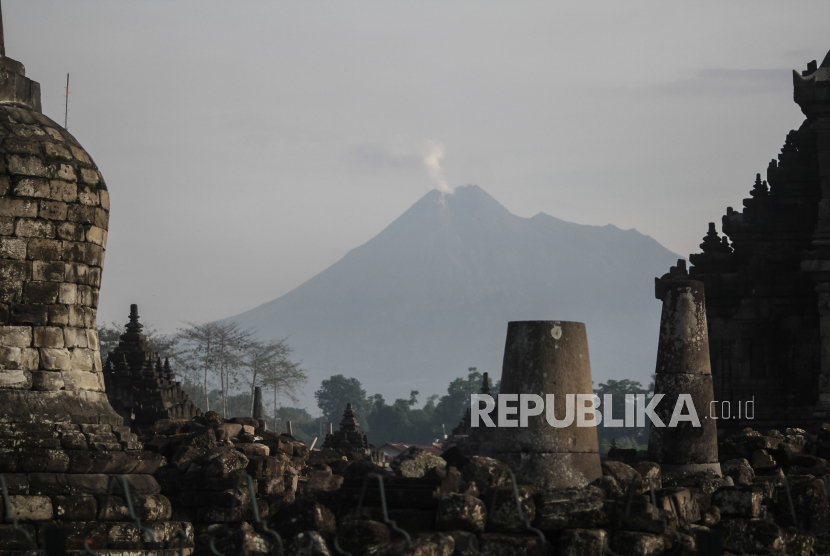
<point x="768" y="291"/>
<point x="140" y="388"/>
<point x="350" y="440"/>
<point x="474" y="440"/>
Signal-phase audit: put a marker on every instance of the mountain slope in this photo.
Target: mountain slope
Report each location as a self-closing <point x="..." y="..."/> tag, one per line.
<point x="431" y="295"/>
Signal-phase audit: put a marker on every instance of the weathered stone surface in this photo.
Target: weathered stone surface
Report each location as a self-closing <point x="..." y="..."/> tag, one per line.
<point x="416" y="462"/>
<point x="626" y="476"/>
<point x="303" y="515"/>
<point x="683" y="369"/>
<point x="309" y="543"/>
<point x="570" y="508"/>
<point x="752" y="535"/>
<point x="496" y="544"/>
<point x="504" y="516"/>
<point x="740" y="471"/>
<point x="31" y="507"/>
<point x="460" y="511"/>
<point x="541" y="358"/>
<point x="681" y="502"/>
<point x="631" y="543"/>
<point x="582" y="542"/>
<point x="486" y="472"/>
<point x="358" y="537"/>
<point x="744" y="501"/>
<point x="552" y="469"/>
<point x="75" y="508"/>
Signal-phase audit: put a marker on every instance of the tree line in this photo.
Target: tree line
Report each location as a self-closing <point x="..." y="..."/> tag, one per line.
<point x="221" y="364"/>
<point x="402" y="421"/>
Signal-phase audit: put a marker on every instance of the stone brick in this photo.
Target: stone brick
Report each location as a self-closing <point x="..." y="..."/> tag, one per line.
<point x="53" y="133"/>
<point x="57" y="151"/>
<point x="90" y="317"/>
<point x="63" y="172"/>
<point x="73" y="440"/>
<point x="74" y="337"/>
<point x="4" y="313"/>
<point x="13" y="145"/>
<point x="26" y="165"/>
<point x="92" y="178"/>
<point x="32" y="187"/>
<point x="97" y="365"/>
<point x="31" y="507"/>
<point x="94" y="277"/>
<point x="82" y="359"/>
<point x="48" y="336"/>
<point x="58" y="314"/>
<point x="77" y="273"/>
<point x="80" y="154"/>
<point x="11" y="291"/>
<point x="28" y="227"/>
<point x="16" y="336"/>
<point x="70" y="231"/>
<point x="5" y="186"/>
<point x="15" y="379"/>
<point x="105" y="198"/>
<point x="55" y="359"/>
<point x="76" y="316"/>
<point x="49" y="271"/>
<point x="45" y="460"/>
<point x="25" y="208"/>
<point x="14" y="540"/>
<point x="92" y="339"/>
<point x="53" y="210"/>
<point x="101" y="218"/>
<point x="95" y="235"/>
<point x="85" y="296"/>
<point x="82" y="507"/>
<point x="81" y="214"/>
<point x="15" y="270"/>
<point x="12" y="248"/>
<point x="86" y="253"/>
<point x="6" y="225"/>
<point x="41" y="292"/>
<point x="46" y="381"/>
<point x="28" y="314"/>
<point x="45" y="249"/>
<point x="63" y="191"/>
<point x="68" y="294"/>
<point x="19" y="358"/>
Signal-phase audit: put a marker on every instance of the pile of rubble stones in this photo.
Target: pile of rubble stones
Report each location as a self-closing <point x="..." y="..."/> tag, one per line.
<point x="206" y="462"/>
<point x="772" y="499"/>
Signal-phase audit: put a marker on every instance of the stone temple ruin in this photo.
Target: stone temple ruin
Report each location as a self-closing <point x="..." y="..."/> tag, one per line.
<point x="139" y="386"/>
<point x="749" y="319"/>
<point x="768" y="284"/>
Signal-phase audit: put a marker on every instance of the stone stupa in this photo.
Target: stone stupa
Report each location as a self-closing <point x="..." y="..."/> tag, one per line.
<point x="61" y="443"/>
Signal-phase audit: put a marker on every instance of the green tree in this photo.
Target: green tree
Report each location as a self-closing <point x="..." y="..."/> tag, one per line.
<point x="626" y="437"/>
<point x="270" y="367"/>
<point x="335" y="393"/>
<point x="451" y="408"/>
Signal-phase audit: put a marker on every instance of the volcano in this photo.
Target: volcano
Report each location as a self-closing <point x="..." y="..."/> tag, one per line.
<point x="431" y="295"/>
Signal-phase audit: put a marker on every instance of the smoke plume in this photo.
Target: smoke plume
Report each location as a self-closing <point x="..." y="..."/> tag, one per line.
<point x="433" y="154"/>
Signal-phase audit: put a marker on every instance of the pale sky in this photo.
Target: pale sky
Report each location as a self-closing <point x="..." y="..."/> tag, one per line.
<point x="249" y="145"/>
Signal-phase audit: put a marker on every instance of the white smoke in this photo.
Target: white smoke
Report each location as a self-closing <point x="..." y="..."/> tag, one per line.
<point x="433" y="153"/>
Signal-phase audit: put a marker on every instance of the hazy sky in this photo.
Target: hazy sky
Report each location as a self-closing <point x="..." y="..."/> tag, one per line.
<point x="249" y="145"/>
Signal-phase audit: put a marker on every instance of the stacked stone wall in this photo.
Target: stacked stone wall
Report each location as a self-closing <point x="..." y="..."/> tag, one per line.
<point x="54" y="213"/>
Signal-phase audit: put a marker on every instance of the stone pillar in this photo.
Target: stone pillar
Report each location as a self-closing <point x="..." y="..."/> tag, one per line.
<point x="259" y="409"/>
<point x="547" y="357"/>
<point x="683" y="367"/>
